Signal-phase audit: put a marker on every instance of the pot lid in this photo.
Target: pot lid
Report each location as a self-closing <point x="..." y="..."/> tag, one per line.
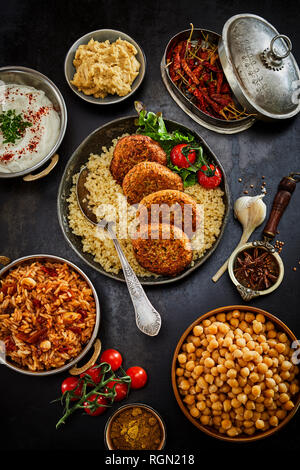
<point x="259" y="67"/>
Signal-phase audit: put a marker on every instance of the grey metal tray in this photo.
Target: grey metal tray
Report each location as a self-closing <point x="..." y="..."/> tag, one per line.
<point x="103" y="136"/>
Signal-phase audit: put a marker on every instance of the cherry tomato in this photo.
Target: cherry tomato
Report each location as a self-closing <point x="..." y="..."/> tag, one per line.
<point x="121" y="389"/>
<point x="101" y="400"/>
<point x="72" y="383"/>
<point x="94" y="373"/>
<point x="179" y="159"/>
<point x="138" y="376"/>
<point x="113" y="357"/>
<point x="209" y="181"/>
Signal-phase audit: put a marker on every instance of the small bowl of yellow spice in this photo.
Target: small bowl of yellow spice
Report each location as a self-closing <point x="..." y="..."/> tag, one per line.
<point x="135" y="427"/>
<point x="105" y="66"/>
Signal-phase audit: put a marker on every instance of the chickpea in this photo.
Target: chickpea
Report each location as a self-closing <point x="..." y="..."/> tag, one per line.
<point x="283" y="397"/>
<point x="281" y="414"/>
<point x="242" y="398"/>
<point x="294" y="388"/>
<point x="181" y="358"/>
<point x="179" y="372"/>
<point x="189" y="399"/>
<point x="205" y="420"/>
<point x="212" y="388"/>
<point x="190" y="365"/>
<point x="223" y="328"/>
<point x="260" y="318"/>
<point x="262" y="367"/>
<point x="256" y="391"/>
<point x="184" y="385"/>
<point x="237" y="354"/>
<point x="249" y="317"/>
<point x="250" y="431"/>
<point x="248" y="414"/>
<point x="231" y="373"/>
<point x="190" y="348"/>
<point x="273" y="421"/>
<point x="226" y="424"/>
<point x="244" y="372"/>
<point x="285" y="375"/>
<point x="194" y="412"/>
<point x="196" y="341"/>
<point x="254" y="377"/>
<point x="283" y="338"/>
<point x="197" y="330"/>
<point x="270" y="383"/>
<point x="269" y="393"/>
<point x="229" y="364"/>
<point x="217" y="406"/>
<point x="212" y="329"/>
<point x="286" y="365"/>
<point x="234" y="322"/>
<point x="259" y="424"/>
<point x="209" y="378"/>
<point x="289" y="405"/>
<point x="213" y="345"/>
<point x="227" y="342"/>
<point x="232" y="432"/>
<point x="257" y="326"/>
<point x="221" y="369"/>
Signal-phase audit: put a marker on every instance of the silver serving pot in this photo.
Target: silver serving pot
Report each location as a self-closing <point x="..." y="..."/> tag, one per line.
<point x="29" y="77"/>
<point x="55" y="259"/>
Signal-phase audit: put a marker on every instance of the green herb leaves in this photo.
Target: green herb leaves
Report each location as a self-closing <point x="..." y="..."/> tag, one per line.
<point x="12" y="126"/>
<point x="153" y="126"/>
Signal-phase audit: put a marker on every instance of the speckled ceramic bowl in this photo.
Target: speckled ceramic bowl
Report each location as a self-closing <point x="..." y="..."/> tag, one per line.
<point x="102" y="35"/>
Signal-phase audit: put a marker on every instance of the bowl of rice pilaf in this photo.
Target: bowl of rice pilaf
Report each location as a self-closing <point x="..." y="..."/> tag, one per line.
<point x="49" y="314"/>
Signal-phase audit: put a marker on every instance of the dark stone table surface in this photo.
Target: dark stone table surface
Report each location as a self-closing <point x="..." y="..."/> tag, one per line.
<point x="37" y="34"/>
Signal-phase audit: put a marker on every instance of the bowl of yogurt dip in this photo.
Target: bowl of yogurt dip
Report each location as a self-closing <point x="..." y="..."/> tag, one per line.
<point x="33" y="119"/>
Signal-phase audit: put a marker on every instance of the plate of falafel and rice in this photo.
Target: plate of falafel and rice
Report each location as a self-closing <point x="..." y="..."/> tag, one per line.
<point x="161" y="185"/>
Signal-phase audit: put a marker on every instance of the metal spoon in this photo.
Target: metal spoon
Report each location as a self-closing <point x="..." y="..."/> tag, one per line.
<point x="148" y="320"/>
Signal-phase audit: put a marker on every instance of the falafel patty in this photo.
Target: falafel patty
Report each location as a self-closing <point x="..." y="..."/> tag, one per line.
<point x="148" y="177"/>
<point x="162" y="249"/>
<point x="156" y="208"/>
<point x="133" y="149"/>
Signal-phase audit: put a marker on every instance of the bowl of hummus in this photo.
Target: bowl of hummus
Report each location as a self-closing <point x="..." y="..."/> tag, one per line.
<point x="33" y="119"/>
<point x="105" y="66"/>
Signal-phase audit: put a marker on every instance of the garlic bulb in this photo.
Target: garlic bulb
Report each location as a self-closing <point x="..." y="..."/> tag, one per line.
<point x="251" y="212"/>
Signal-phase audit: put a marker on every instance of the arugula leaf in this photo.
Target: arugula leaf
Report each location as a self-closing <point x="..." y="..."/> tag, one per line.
<point x="153" y="126"/>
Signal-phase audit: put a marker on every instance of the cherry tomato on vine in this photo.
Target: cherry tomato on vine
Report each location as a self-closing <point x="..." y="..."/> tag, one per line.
<point x="121" y="389"/>
<point x="101" y="400"/>
<point x="207" y="181"/>
<point x="72" y="384"/>
<point x="179" y="159"/>
<point x="113" y="357"/>
<point x="138" y="377"/>
<point x="94" y="373"/>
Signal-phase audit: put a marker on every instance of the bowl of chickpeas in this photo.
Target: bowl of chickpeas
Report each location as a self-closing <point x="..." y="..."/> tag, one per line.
<point x="234" y="373"/>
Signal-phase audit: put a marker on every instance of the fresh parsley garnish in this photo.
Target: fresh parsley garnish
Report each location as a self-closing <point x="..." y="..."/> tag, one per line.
<point x="12" y="126"/>
<point x="153" y="126"/>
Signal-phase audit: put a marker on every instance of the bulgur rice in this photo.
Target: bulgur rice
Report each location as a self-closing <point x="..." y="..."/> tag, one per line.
<point x="47" y="314"/>
<point x="104" y="189"/>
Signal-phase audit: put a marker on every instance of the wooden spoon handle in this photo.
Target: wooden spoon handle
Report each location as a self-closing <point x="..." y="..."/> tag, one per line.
<point x="285" y="190"/>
